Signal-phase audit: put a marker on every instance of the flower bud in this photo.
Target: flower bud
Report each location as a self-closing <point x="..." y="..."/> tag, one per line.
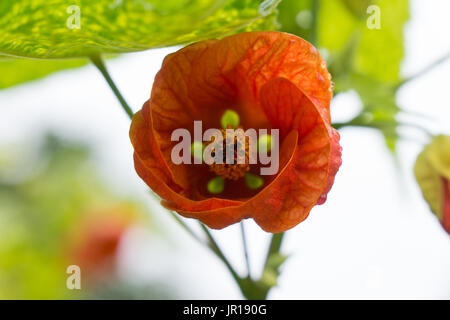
<point x="432" y="171"/>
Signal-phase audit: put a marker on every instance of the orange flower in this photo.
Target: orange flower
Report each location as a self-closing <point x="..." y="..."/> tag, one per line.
<point x="95" y="241"/>
<point x="271" y="80"/>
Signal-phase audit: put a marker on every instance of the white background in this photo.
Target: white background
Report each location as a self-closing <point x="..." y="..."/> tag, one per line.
<point x="375" y="236"/>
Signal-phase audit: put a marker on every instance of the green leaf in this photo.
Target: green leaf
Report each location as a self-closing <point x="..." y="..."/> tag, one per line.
<point x="42" y="211"/>
<point x="272" y="269"/>
<point x="381" y="51"/>
<point x="379" y="106"/>
<point x="259" y="289"/>
<point x="376" y="47"/>
<point x="16" y="71"/>
<point x="275" y="261"/>
<point x="337" y="26"/>
<point x="50" y="29"/>
<point x="358" y="7"/>
<point x="367" y="60"/>
<point x="269" y="278"/>
<point x="292" y="17"/>
<point x="268" y="23"/>
<point x="377" y="97"/>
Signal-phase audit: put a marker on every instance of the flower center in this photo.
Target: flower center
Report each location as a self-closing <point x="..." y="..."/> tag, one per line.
<point x="240" y="164"/>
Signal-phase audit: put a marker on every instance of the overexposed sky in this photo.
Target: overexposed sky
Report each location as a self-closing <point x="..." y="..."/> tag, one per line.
<point x="375" y="236"/>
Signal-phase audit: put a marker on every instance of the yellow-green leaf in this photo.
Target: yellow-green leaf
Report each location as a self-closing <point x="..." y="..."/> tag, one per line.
<point x="18" y="70"/>
<point x="60" y="29"/>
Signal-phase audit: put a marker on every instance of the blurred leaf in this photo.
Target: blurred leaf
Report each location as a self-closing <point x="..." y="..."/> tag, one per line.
<point x="296" y="17"/>
<point x="16" y="71"/>
<point x="49" y="29"/>
<point x="377" y="97"/>
<point x="367" y="60"/>
<point x="43" y="198"/>
<point x="380" y="107"/>
<point x="358" y="7"/>
<point x="340" y="64"/>
<point x="276" y="260"/>
<point x="377" y="47"/>
<point x="381" y="51"/>
<point x="431" y="169"/>
<point x="337" y="26"/>
<point x="269" y="23"/>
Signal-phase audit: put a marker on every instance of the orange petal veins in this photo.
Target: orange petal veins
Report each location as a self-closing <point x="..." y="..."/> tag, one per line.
<point x="273" y="80"/>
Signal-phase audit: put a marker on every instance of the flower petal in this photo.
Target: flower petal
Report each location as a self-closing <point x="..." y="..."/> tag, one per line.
<point x="240" y="65"/>
<point x="446" y="213"/>
<point x="305" y="162"/>
<point x="273" y="80"/>
<point x="158" y="179"/>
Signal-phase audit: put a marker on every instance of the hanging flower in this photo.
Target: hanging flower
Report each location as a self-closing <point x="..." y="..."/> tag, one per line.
<point x="253" y="80"/>
<point x="432" y="172"/>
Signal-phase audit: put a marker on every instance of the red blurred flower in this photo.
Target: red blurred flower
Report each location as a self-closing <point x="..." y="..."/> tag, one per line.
<point x="95" y="242"/>
<point x="272" y="80"/>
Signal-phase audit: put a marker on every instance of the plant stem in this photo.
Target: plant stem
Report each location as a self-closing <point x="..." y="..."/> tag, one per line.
<point x="216" y="249"/>
<point x="244" y="243"/>
<point x="251" y="289"/>
<point x="98" y="62"/>
<point x="274" y="247"/>
<point x="242" y="283"/>
<point x="425" y="70"/>
<point x="258" y="289"/>
<point x="185" y="227"/>
<point x="212" y="244"/>
<point x="360" y="122"/>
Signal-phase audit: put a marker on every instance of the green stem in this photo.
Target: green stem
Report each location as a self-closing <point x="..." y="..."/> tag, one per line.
<point x="360" y="122"/>
<point x="212" y="244"/>
<point x="244" y="244"/>
<point x="258" y="289"/>
<point x="251" y="289"/>
<point x="274" y="247"/>
<point x="425" y="70"/>
<point x="98" y="62"/>
<point x="243" y="284"/>
<point x="185" y="227"/>
<point x="216" y="249"/>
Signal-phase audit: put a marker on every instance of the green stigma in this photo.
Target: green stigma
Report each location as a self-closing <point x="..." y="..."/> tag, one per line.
<point x="216" y="185"/>
<point x="229" y="118"/>
<point x="265" y="143"/>
<point x="197" y="150"/>
<point x="253" y="181"/>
